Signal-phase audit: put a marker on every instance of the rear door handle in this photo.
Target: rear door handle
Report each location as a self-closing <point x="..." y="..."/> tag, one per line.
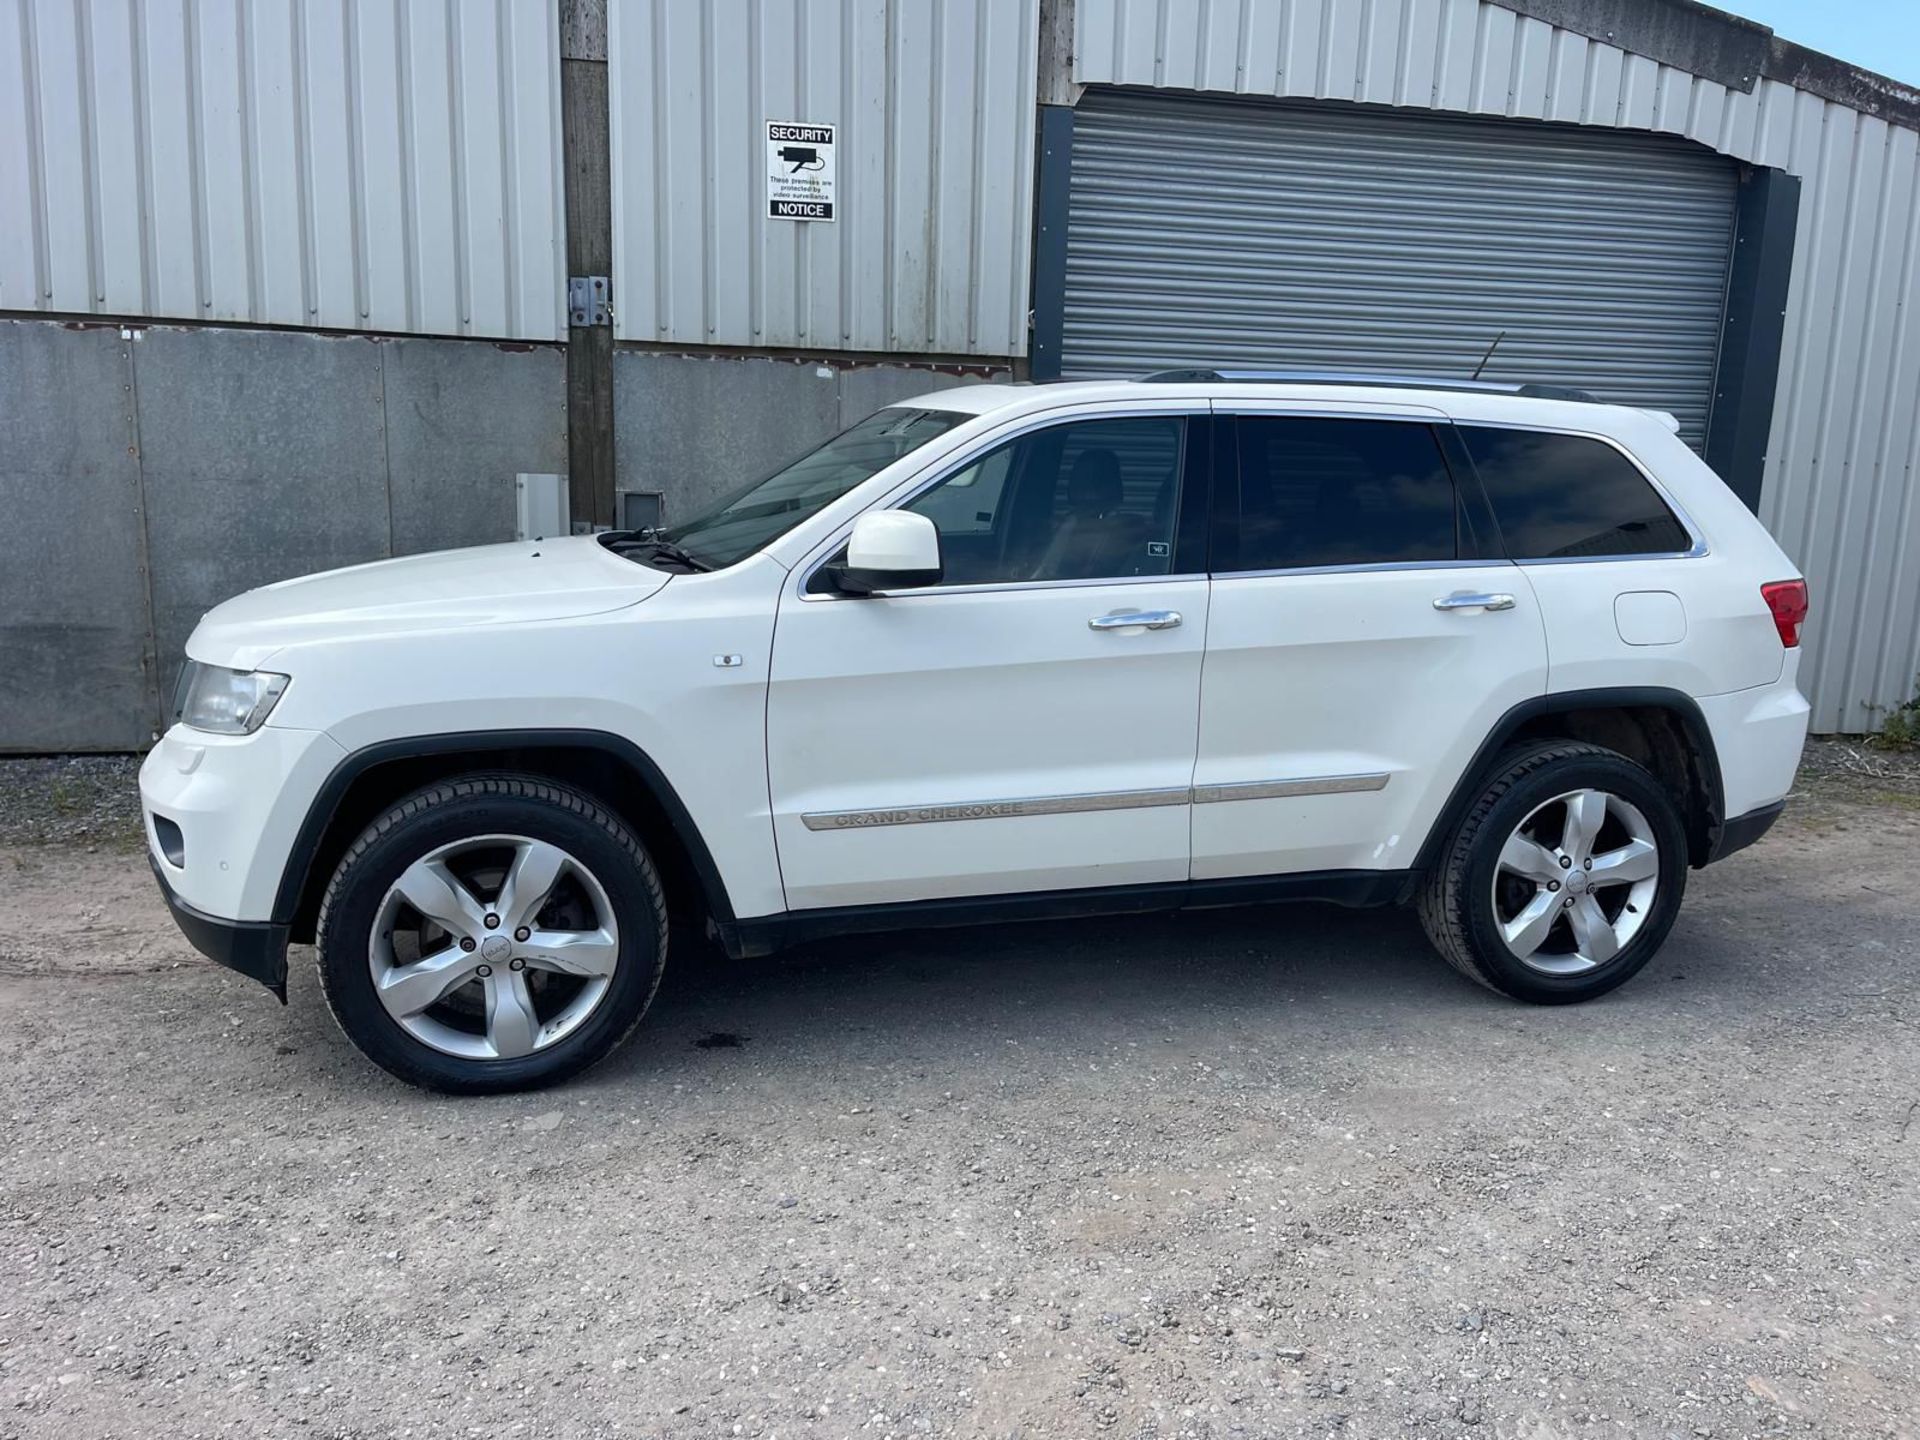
<point x="1136" y="620"/>
<point x="1464" y="600"/>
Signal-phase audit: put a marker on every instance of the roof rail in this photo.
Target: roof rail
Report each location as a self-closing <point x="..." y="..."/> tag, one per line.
<point x="1336" y="377"/>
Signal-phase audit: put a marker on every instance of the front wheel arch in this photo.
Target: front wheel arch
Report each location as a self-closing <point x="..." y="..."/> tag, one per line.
<point x="613" y="770"/>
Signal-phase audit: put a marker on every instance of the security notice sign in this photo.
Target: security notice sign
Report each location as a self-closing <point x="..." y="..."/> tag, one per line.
<point x="799" y="171"/>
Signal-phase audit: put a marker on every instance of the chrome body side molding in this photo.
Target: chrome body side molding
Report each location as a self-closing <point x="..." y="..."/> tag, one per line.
<point x="1101" y="800"/>
<point x="1281" y="789"/>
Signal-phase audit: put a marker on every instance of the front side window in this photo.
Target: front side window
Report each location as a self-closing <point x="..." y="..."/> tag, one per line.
<point x="1088" y="500"/>
<point x="1317" y="492"/>
<point x="755" y="517"/>
<point x="1561" y="496"/>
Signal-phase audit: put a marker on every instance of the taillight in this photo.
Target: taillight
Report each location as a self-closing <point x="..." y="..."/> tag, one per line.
<point x="1787" y="599"/>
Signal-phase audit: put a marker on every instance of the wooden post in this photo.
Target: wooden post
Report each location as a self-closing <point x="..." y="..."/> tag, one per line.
<point x="584" y="157"/>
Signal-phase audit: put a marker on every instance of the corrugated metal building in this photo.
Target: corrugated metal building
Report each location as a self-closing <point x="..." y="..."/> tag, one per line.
<point x="1600" y="204"/>
<point x="283" y="285"/>
<point x="936" y="105"/>
<point x="391" y="167"/>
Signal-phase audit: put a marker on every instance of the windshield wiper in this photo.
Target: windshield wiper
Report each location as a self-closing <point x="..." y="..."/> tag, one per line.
<point x="654" y="545"/>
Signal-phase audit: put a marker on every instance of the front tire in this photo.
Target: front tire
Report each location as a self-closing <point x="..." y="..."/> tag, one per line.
<point x="1563" y="879"/>
<point x="492" y="933"/>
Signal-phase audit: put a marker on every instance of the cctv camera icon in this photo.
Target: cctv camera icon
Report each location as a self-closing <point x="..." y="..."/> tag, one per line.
<point x="801" y="157"/>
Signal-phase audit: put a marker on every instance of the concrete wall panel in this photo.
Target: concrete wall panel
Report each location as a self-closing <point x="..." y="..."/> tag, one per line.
<point x="73" y="614"/>
<point x="462" y="421"/>
<point x="693" y="428"/>
<point x="264" y="456"/>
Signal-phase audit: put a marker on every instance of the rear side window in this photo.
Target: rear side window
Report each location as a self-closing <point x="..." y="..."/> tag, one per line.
<point x="1342" y="492"/>
<point x="1560" y="496"/>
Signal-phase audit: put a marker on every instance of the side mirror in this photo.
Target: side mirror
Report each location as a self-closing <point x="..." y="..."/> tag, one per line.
<point x="889" y="550"/>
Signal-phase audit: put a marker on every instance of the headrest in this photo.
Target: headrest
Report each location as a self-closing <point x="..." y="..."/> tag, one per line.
<point x="1094" y="482"/>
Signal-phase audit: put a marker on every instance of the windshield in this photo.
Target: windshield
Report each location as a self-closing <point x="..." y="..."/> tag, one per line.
<point x="761" y="513"/>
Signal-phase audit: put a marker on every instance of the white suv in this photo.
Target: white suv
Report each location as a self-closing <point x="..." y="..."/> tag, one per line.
<point x="996" y="653"/>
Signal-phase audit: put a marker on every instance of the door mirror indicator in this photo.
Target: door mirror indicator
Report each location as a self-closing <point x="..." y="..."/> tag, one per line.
<point x="889" y="550"/>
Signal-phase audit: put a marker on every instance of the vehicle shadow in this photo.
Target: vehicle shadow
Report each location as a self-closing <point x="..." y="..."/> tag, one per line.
<point x="940" y="994"/>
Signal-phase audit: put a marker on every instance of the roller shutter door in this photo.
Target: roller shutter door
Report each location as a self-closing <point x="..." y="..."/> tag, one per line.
<point x="1223" y="233"/>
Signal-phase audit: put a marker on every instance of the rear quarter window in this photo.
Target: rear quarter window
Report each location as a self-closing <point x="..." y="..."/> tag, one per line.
<point x="1566" y="496"/>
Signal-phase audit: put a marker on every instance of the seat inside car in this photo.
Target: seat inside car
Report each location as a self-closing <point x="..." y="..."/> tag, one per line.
<point x="1096" y="538"/>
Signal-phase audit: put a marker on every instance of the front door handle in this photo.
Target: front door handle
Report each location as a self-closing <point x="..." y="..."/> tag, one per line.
<point x="1465" y="600"/>
<point x="1136" y="620"/>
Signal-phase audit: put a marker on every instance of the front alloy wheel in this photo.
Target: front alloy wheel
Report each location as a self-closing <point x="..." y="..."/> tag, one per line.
<point x="494" y="947"/>
<point x="491" y="933"/>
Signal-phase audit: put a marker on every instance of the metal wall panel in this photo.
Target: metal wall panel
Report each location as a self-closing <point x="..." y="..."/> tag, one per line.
<point x="1842" y="490"/>
<point x="1214" y="232"/>
<point x="935" y="103"/>
<point x="386" y="165"/>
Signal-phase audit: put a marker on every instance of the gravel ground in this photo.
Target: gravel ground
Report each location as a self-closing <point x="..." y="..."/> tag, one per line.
<point x="70" y="800"/>
<point x="1259" y="1173"/>
<point x="1838" y="770"/>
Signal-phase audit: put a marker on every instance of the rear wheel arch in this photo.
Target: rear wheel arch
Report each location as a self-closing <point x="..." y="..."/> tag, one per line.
<point x="611" y="769"/>
<point x="1660" y="729"/>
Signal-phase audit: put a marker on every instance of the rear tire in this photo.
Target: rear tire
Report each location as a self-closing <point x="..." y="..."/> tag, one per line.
<point x="492" y="933"/>
<point x="1563" y="879"/>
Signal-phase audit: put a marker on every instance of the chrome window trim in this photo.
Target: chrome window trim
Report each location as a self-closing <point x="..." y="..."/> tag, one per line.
<point x="1092" y="801"/>
<point x="1382" y="567"/>
<point x="951" y="465"/>
<point x="1698" y="549"/>
<point x="993" y="587"/>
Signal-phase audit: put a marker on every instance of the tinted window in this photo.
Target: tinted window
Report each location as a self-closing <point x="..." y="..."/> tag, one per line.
<point x="1091" y="500"/>
<point x="1342" y="492"/>
<point x="968" y="503"/>
<point x="1558" y="495"/>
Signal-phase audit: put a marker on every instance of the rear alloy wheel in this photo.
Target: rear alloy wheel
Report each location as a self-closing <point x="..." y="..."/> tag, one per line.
<point x="492" y="933"/>
<point x="1575" y="882"/>
<point x="1563" y="879"/>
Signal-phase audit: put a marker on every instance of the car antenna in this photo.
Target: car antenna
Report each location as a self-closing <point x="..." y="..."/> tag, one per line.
<point x="1488" y="356"/>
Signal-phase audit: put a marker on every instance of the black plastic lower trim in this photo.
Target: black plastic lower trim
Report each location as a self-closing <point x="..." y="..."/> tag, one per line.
<point x="255" y="948"/>
<point x="763" y="935"/>
<point x="1742" y="830"/>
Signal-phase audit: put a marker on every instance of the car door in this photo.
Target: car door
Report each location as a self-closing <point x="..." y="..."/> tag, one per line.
<point x="1030" y="723"/>
<point x="1361" y="642"/>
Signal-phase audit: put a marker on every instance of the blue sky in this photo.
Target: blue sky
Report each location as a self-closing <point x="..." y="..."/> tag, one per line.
<point x="1882" y="35"/>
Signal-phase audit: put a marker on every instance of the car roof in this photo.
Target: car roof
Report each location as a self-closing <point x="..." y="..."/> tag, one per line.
<point x="1560" y="407"/>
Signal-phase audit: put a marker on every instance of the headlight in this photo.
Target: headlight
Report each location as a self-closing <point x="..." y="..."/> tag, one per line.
<point x="228" y="702"/>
